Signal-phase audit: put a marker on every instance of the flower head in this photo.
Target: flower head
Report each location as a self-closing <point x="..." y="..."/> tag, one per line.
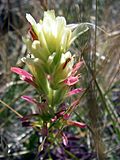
<point x="48" y="35"/>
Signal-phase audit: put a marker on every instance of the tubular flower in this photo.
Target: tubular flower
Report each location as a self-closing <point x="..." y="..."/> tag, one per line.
<point x="25" y="76"/>
<point x="71" y="80"/>
<point x="75" y="91"/>
<point x="52" y="73"/>
<point x="77" y="124"/>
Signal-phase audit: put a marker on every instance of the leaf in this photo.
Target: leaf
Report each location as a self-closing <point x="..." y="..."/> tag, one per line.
<point x="80" y="29"/>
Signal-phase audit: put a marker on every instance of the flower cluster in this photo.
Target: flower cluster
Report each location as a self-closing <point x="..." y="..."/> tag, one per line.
<point x="53" y="73"/>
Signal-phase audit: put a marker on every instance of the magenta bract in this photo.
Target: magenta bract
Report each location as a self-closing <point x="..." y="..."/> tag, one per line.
<point x="75" y="91"/>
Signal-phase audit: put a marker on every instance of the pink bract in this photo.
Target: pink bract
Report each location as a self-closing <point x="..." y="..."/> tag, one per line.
<point x="25" y="76"/>
<point x="75" y="91"/>
<point x="76" y="67"/>
<point x="65" y="139"/>
<point x="29" y="99"/>
<point x="21" y="72"/>
<point x="75" y="123"/>
<point x="71" y="80"/>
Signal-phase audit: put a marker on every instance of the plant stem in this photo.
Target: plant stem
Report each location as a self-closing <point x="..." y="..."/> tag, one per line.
<point x="18" y="114"/>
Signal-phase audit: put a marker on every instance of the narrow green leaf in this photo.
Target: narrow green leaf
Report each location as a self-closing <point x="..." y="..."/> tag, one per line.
<point x="80" y="29"/>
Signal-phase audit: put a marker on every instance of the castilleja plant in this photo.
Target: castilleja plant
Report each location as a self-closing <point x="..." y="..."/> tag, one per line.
<point x="53" y="72"/>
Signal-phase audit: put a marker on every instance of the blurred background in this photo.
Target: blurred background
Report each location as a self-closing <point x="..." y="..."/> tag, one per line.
<point x="100" y="105"/>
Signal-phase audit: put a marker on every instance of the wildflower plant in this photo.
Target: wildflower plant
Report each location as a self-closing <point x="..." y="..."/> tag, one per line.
<point x="53" y="72"/>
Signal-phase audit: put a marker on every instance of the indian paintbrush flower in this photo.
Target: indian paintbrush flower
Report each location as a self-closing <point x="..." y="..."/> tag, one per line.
<point x="53" y="72"/>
